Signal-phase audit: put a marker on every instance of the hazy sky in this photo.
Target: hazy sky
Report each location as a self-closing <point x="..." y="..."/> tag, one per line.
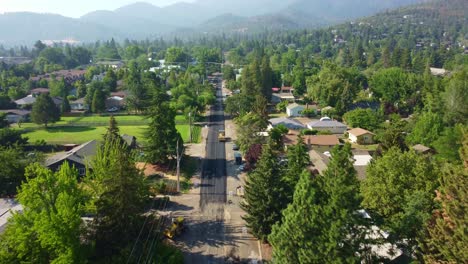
<point x="72" y="8"/>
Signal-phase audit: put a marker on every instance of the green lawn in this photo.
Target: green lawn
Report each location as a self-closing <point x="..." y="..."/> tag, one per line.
<point x="81" y="134"/>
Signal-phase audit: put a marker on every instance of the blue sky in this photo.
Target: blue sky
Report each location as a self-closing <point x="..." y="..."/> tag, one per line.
<point x="71" y="8"/>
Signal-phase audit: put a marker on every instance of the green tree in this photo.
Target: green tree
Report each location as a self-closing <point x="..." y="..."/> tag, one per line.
<point x="399" y="187"/>
<point x="363" y="118"/>
<point x="58" y="87"/>
<point x="112" y="132"/>
<point x="175" y="54"/>
<point x="456" y="98"/>
<point x="393" y="134"/>
<point x="321" y="224"/>
<point x="248" y="126"/>
<point x="119" y="191"/>
<point x="98" y="104"/>
<point x="228" y="73"/>
<point x="49" y="228"/>
<point x="426" y="129"/>
<point x="450" y="140"/>
<point x="65" y="107"/>
<point x="3" y="120"/>
<point x="110" y="81"/>
<point x="298" y="161"/>
<point x="44" y="110"/>
<point x="80" y="89"/>
<point x="162" y="134"/>
<point x="12" y="170"/>
<point x="264" y="195"/>
<point x="393" y="85"/>
<point x="447" y="241"/>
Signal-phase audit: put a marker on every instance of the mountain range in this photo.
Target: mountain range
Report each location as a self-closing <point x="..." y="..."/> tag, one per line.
<point x="143" y="20"/>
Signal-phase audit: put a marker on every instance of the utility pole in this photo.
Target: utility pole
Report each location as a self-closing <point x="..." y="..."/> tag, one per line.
<point x="190" y="125"/>
<point x="179" y="158"/>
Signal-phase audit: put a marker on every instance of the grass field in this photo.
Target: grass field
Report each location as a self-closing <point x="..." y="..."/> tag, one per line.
<point x="80" y="134"/>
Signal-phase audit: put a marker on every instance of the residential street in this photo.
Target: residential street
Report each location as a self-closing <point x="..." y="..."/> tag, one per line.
<point x="215" y="230"/>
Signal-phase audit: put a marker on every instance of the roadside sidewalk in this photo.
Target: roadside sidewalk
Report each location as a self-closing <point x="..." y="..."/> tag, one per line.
<point x="244" y="246"/>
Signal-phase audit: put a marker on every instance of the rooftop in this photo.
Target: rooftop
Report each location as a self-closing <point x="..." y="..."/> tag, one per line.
<point x="326" y="123"/>
<point x="77" y="154"/>
<point x="287" y="122"/>
<point x="359" y="132"/>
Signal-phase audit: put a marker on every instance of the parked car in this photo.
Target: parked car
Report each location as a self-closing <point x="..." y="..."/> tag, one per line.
<point x="235" y="147"/>
<point x="113" y="109"/>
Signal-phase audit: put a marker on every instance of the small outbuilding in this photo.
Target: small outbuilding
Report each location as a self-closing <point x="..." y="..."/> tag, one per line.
<point x="293" y="110"/>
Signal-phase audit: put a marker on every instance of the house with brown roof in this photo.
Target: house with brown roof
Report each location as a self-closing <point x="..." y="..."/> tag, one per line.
<point x="361" y="136"/>
<point x="421" y="149"/>
<point x="38" y="91"/>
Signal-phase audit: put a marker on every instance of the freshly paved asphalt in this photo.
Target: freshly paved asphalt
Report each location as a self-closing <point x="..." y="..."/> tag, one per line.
<point x="213" y="183"/>
<point x="205" y="239"/>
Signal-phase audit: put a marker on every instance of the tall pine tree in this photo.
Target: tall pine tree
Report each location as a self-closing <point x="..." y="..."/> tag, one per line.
<point x="321" y="225"/>
<point x="162" y="134"/>
<point x="264" y="195"/>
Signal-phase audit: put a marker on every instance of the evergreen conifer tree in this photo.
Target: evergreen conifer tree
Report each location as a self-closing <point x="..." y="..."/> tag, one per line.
<point x="162" y="134"/>
<point x="321" y="225"/>
<point x="264" y="195"/>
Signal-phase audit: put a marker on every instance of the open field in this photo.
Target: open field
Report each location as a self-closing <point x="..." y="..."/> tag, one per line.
<point x="81" y="129"/>
<point x="80" y="134"/>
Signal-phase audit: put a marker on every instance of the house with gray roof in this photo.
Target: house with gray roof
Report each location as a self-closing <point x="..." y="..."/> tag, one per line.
<point x="28" y="100"/>
<point x="287" y="122"/>
<point x="78" y="157"/>
<point x="324" y="124"/>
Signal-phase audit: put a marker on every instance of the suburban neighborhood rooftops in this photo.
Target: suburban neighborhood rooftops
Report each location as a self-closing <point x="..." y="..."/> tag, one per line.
<point x="359" y="132"/>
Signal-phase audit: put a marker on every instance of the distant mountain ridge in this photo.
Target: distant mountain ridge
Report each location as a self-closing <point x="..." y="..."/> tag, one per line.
<point x="143" y="20"/>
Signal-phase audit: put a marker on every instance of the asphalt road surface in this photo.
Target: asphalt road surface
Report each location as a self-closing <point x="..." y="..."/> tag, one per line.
<point x="206" y="236"/>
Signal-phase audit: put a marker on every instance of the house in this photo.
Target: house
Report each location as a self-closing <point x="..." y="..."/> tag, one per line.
<point x="280" y="97"/>
<point x="112" y="64"/>
<point x="421" y="149"/>
<point x="31" y="99"/>
<point x="115" y="101"/>
<point x="130" y="140"/>
<point x="79" y="157"/>
<point x="8" y="207"/>
<point x="326" y="124"/>
<point x="121" y="94"/>
<point x="293" y="110"/>
<point x="287" y="89"/>
<point x="38" y="91"/>
<point x="438" y="71"/>
<point x="321" y="140"/>
<point x="79" y="105"/>
<point x="361" y="136"/>
<point x="287" y="122"/>
<point x="99" y="77"/>
<point x="16" y="115"/>
<point x="25" y="101"/>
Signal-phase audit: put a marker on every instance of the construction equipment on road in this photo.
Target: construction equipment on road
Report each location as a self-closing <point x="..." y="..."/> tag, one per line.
<point x="176" y="228"/>
<point x="221" y="135"/>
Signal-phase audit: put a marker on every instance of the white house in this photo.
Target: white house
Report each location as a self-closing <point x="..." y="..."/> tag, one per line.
<point x="294" y="110"/>
<point x="79" y="105"/>
<point x="333" y="126"/>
